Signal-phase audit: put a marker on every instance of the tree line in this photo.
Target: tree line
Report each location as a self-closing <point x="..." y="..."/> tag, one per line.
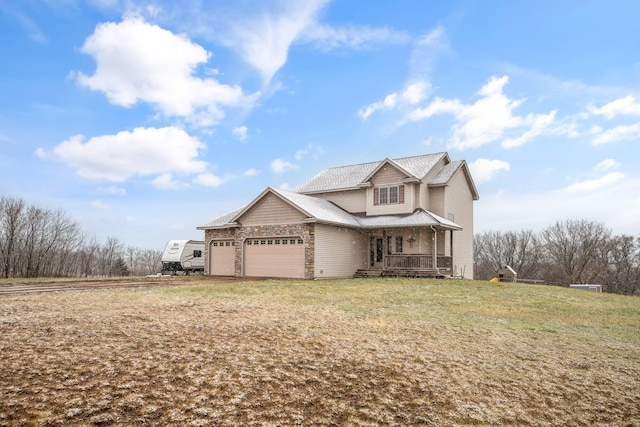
<point x="40" y="242"/>
<point x="567" y="252"/>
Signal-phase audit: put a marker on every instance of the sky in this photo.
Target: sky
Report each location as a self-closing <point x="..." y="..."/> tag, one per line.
<point x="145" y="119"/>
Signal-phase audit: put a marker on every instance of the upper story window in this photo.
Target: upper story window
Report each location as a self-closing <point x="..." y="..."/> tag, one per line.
<point x="390" y="195"/>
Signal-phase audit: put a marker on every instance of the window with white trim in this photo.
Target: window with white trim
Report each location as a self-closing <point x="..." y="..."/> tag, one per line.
<point x="389" y="195"/>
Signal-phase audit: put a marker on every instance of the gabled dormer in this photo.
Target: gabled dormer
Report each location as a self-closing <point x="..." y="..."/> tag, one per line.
<point x="390" y="189"/>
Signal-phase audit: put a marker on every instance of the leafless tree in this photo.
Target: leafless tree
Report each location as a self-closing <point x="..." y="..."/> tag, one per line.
<point x="35" y="241"/>
<point x="522" y="251"/>
<point x="109" y="253"/>
<point x="11" y="224"/>
<point x="572" y="248"/>
<point x="87" y="258"/>
<point x="622" y="257"/>
<point x="142" y="262"/>
<point x="150" y="261"/>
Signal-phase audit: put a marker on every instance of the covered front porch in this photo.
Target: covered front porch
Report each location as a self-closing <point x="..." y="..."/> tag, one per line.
<point x="410" y="252"/>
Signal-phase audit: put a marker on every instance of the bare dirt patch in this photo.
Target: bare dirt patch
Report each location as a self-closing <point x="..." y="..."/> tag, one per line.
<point x="264" y="353"/>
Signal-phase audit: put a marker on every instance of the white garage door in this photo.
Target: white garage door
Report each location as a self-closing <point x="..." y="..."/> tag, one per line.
<point x="274" y="257"/>
<point x="222" y="258"/>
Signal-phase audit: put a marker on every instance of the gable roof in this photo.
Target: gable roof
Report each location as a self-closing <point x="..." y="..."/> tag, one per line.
<point x="316" y="208"/>
<point x="349" y="177"/>
<point x="446" y="173"/>
<point x="223" y="221"/>
<point x="323" y="211"/>
<point x="394" y="164"/>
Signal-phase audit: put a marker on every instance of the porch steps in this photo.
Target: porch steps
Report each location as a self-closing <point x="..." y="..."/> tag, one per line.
<point x="364" y="273"/>
<point x="371" y="272"/>
<point x="414" y="273"/>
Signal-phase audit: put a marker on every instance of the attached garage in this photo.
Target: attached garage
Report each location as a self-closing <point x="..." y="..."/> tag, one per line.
<point x="274" y="257"/>
<point x="222" y="258"/>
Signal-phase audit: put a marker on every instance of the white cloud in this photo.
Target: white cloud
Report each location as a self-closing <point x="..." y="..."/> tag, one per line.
<point x="483" y="170"/>
<point x="142" y="152"/>
<point x="113" y="190"/>
<point x="591" y="185"/>
<point x="488" y="119"/>
<point x="606" y="165"/>
<point x="137" y="61"/>
<point x="618" y="133"/>
<point x="240" y="132"/>
<point x="387" y="103"/>
<point x="623" y="106"/>
<point x="264" y="39"/>
<point x="165" y="182"/>
<point x="311" y="150"/>
<point x="98" y="204"/>
<point x="539" y="125"/>
<point x="282" y="166"/>
<point x="415" y="92"/>
<point x="251" y="172"/>
<point x="504" y="210"/>
<point x="412" y="94"/>
<point x="264" y="34"/>
<point x="353" y="37"/>
<point x="426" y="49"/>
<point x="209" y="180"/>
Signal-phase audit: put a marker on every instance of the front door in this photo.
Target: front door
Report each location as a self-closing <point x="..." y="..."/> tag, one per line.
<point x="377" y="252"/>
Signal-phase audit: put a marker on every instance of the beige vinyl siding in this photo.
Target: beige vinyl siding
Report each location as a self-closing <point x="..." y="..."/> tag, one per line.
<point x="339" y="252"/>
<point x="415" y="193"/>
<point x="424" y="199"/>
<point x="459" y="208"/>
<point x="387" y="175"/>
<point x="391" y="209"/>
<point x="422" y="240"/>
<point x="353" y="201"/>
<point x="271" y="210"/>
<point x="390" y="176"/>
<point x="436" y="200"/>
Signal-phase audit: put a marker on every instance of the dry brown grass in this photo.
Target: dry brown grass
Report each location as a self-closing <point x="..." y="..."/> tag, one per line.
<point x="370" y="352"/>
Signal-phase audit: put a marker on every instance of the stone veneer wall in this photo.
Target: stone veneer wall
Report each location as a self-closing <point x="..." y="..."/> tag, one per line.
<point x="240" y="234"/>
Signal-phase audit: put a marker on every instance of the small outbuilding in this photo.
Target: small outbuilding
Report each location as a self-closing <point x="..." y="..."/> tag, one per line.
<point x="507" y="274"/>
<point x="587" y="287"/>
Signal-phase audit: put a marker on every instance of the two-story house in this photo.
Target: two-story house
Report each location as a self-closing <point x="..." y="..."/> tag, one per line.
<point x="411" y="216"/>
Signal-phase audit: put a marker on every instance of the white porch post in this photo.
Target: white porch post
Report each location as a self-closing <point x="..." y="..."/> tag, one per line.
<point x="451" y="246"/>
<point x="435" y="248"/>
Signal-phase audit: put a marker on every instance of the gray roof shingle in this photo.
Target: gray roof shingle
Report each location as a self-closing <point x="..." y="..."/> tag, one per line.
<point x="346" y="177"/>
<point x="446" y="173"/>
<point x="419" y="218"/>
<point x="324" y="211"/>
<point x="221" y="221"/>
<point x="320" y="209"/>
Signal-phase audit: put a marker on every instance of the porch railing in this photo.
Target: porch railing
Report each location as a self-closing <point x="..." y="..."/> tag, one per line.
<point x="416" y="262"/>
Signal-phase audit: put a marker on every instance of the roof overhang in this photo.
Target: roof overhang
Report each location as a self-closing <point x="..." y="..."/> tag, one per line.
<point x="419" y="218"/>
<point x="382" y="164"/>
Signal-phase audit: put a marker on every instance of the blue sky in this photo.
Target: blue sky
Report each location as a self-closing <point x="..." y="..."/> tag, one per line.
<point x="143" y="120"/>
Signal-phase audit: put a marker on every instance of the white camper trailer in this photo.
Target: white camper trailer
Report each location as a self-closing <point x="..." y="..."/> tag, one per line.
<point x="183" y="255"/>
